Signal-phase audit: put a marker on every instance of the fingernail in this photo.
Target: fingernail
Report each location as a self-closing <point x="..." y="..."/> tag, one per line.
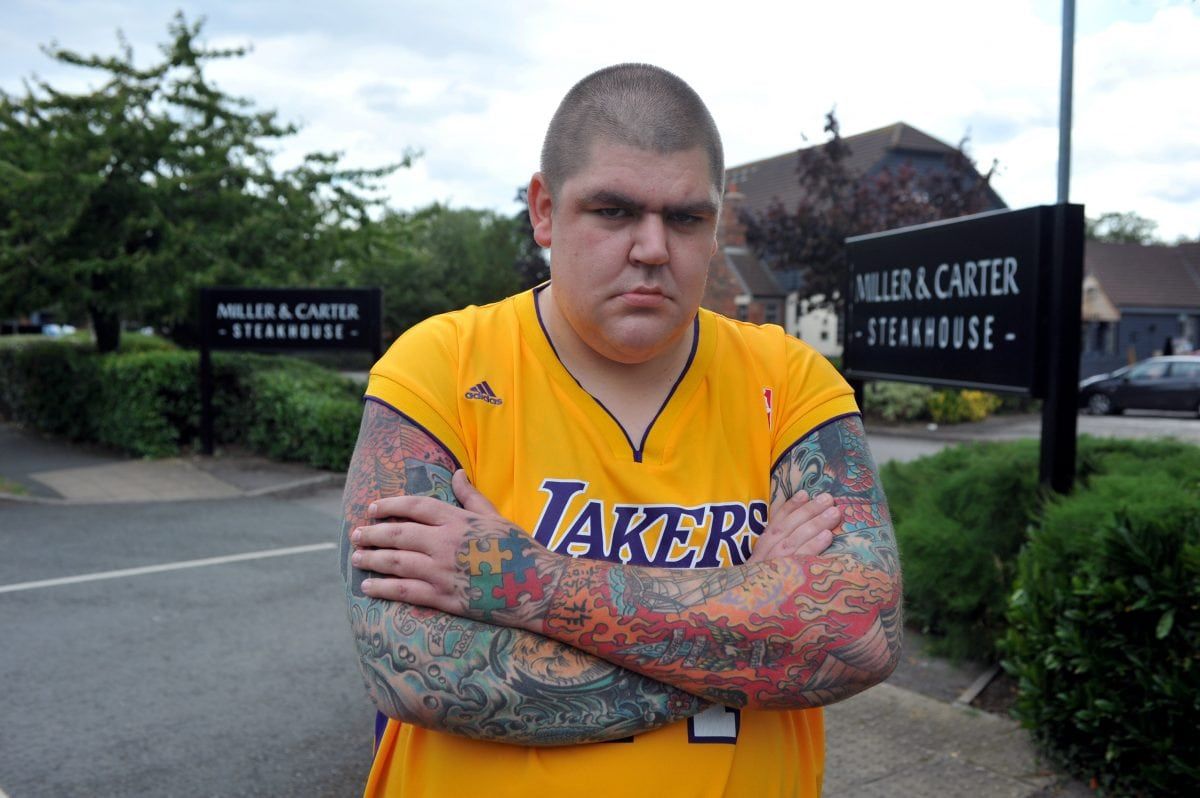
<point x="825" y="498"/>
<point x="356" y="558"/>
<point x="371" y="510"/>
<point x="831" y="513"/>
<point x="366" y="585"/>
<point x="356" y="536"/>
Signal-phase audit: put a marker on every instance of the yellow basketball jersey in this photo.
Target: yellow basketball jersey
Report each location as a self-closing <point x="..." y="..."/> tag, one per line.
<point x="486" y="382"/>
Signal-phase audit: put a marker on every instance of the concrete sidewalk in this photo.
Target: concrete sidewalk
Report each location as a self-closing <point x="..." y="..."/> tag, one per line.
<point x="42" y="470"/>
<point x="904" y="738"/>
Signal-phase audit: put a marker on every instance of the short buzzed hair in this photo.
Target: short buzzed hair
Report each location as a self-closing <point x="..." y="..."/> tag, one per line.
<point x="638" y="105"/>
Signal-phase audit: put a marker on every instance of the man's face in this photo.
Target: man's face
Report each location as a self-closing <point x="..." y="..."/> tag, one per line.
<point x="631" y="235"/>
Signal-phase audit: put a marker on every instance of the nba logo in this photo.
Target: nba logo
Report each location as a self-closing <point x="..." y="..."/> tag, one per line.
<point x="767" y="396"/>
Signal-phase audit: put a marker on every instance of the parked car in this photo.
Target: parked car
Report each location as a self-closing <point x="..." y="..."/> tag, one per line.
<point x="1160" y="383"/>
<point x="58" y="330"/>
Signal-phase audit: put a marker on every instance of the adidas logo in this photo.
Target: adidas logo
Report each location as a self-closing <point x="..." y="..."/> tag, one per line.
<point x="484" y="392"/>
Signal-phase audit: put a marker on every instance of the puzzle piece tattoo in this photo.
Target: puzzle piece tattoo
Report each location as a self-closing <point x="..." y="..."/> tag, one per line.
<point x="519" y="547"/>
<point x="483" y="557"/>
<point x="482" y="595"/>
<point x="529" y="584"/>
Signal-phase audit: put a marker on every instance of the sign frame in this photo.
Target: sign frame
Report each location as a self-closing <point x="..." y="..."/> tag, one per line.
<point x="871" y="256"/>
<point x="1052" y="236"/>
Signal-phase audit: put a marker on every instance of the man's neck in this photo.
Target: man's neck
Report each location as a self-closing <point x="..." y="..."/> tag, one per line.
<point x="633" y="393"/>
<point x="591" y="367"/>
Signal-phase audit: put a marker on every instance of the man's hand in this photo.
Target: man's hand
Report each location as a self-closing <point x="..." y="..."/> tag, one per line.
<point x="467" y="561"/>
<point x="801" y="526"/>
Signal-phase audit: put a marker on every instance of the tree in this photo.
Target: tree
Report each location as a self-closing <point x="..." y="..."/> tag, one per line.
<point x="1122" y="228"/>
<point x="531" y="264"/>
<point x="118" y="202"/>
<point x="434" y="260"/>
<point x="837" y="203"/>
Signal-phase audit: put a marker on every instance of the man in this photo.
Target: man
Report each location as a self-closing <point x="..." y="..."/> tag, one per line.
<point x="619" y="618"/>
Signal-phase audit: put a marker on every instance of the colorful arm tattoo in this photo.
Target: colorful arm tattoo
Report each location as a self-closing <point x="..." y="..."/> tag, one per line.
<point x="784" y="633"/>
<point x="462" y="676"/>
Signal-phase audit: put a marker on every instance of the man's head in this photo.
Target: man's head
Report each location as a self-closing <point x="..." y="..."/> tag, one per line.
<point x="638" y="105"/>
<point x="627" y="201"/>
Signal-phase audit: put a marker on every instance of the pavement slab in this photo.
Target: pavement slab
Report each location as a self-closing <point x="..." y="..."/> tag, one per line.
<point x="172" y="479"/>
<point x="890" y="742"/>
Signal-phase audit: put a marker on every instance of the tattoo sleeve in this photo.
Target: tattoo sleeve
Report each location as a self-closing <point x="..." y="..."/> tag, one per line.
<point x="467" y="677"/>
<point x="788" y="632"/>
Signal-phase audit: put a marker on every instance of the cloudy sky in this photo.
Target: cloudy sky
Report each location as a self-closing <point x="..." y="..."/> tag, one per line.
<point x="472" y="84"/>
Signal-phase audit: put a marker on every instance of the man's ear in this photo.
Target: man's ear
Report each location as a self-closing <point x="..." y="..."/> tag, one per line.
<point x="541" y="207"/>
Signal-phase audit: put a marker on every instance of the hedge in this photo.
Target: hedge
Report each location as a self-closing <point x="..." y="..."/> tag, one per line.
<point x="1093" y="599"/>
<point x="960" y="518"/>
<point x="898" y="401"/>
<point x="1104" y="634"/>
<point x="49" y="386"/>
<point x="147" y="402"/>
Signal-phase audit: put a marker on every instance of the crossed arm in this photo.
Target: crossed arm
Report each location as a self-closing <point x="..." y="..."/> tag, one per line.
<point x="464" y="676"/>
<point x="786" y="631"/>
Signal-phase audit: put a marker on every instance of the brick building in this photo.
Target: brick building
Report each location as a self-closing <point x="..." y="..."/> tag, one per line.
<point x="741" y="286"/>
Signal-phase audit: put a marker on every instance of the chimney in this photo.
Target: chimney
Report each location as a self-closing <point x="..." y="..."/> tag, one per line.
<point x="733" y="232"/>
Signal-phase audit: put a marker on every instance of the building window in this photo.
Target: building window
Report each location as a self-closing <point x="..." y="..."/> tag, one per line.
<point x="771" y="313"/>
<point x="743" y="312"/>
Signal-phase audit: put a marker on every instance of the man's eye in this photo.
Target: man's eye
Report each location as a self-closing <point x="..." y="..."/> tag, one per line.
<point x="684" y="219"/>
<point x="612" y="213"/>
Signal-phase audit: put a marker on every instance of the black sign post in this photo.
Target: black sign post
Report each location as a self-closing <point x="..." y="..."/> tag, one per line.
<point x="273" y="319"/>
<point x="990" y="301"/>
<point x="1060" y="405"/>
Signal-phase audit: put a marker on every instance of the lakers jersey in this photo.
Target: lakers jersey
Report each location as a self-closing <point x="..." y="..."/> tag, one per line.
<point x="692" y="493"/>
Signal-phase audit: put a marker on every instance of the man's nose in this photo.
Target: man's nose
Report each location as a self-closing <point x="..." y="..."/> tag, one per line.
<point x="650" y="241"/>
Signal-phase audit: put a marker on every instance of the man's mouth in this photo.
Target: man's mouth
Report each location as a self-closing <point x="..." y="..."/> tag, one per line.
<point x="644" y="296"/>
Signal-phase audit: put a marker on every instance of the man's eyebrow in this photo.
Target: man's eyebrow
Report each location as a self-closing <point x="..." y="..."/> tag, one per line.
<point x="614" y="198"/>
<point x="699" y="208"/>
<point x="704" y="207"/>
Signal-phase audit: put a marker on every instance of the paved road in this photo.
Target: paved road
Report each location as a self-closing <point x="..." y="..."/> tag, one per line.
<point x="196" y="681"/>
<point x="226" y="679"/>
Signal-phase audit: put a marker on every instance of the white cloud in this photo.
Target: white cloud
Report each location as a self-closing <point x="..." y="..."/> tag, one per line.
<point x="473" y="84"/>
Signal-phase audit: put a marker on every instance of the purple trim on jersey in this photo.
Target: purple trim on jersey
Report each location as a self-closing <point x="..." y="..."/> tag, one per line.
<point x="380" y="724"/>
<point x="678" y="380"/>
<point x="418" y="425"/>
<point x="637" y="450"/>
<point x="799" y="440"/>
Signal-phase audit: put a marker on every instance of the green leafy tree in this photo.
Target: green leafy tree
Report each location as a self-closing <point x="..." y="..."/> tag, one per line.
<point x="119" y="201"/>
<point x="531" y="264"/>
<point x="837" y="202"/>
<point x="434" y="260"/>
<point x="1122" y="228"/>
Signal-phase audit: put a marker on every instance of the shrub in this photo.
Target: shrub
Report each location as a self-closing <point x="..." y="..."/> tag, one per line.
<point x="50" y="386"/>
<point x="897" y="401"/>
<point x="148" y="403"/>
<point x="1105" y="624"/>
<point x="955" y="407"/>
<point x="132" y="342"/>
<point x="960" y="518"/>
<point x="301" y="412"/>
